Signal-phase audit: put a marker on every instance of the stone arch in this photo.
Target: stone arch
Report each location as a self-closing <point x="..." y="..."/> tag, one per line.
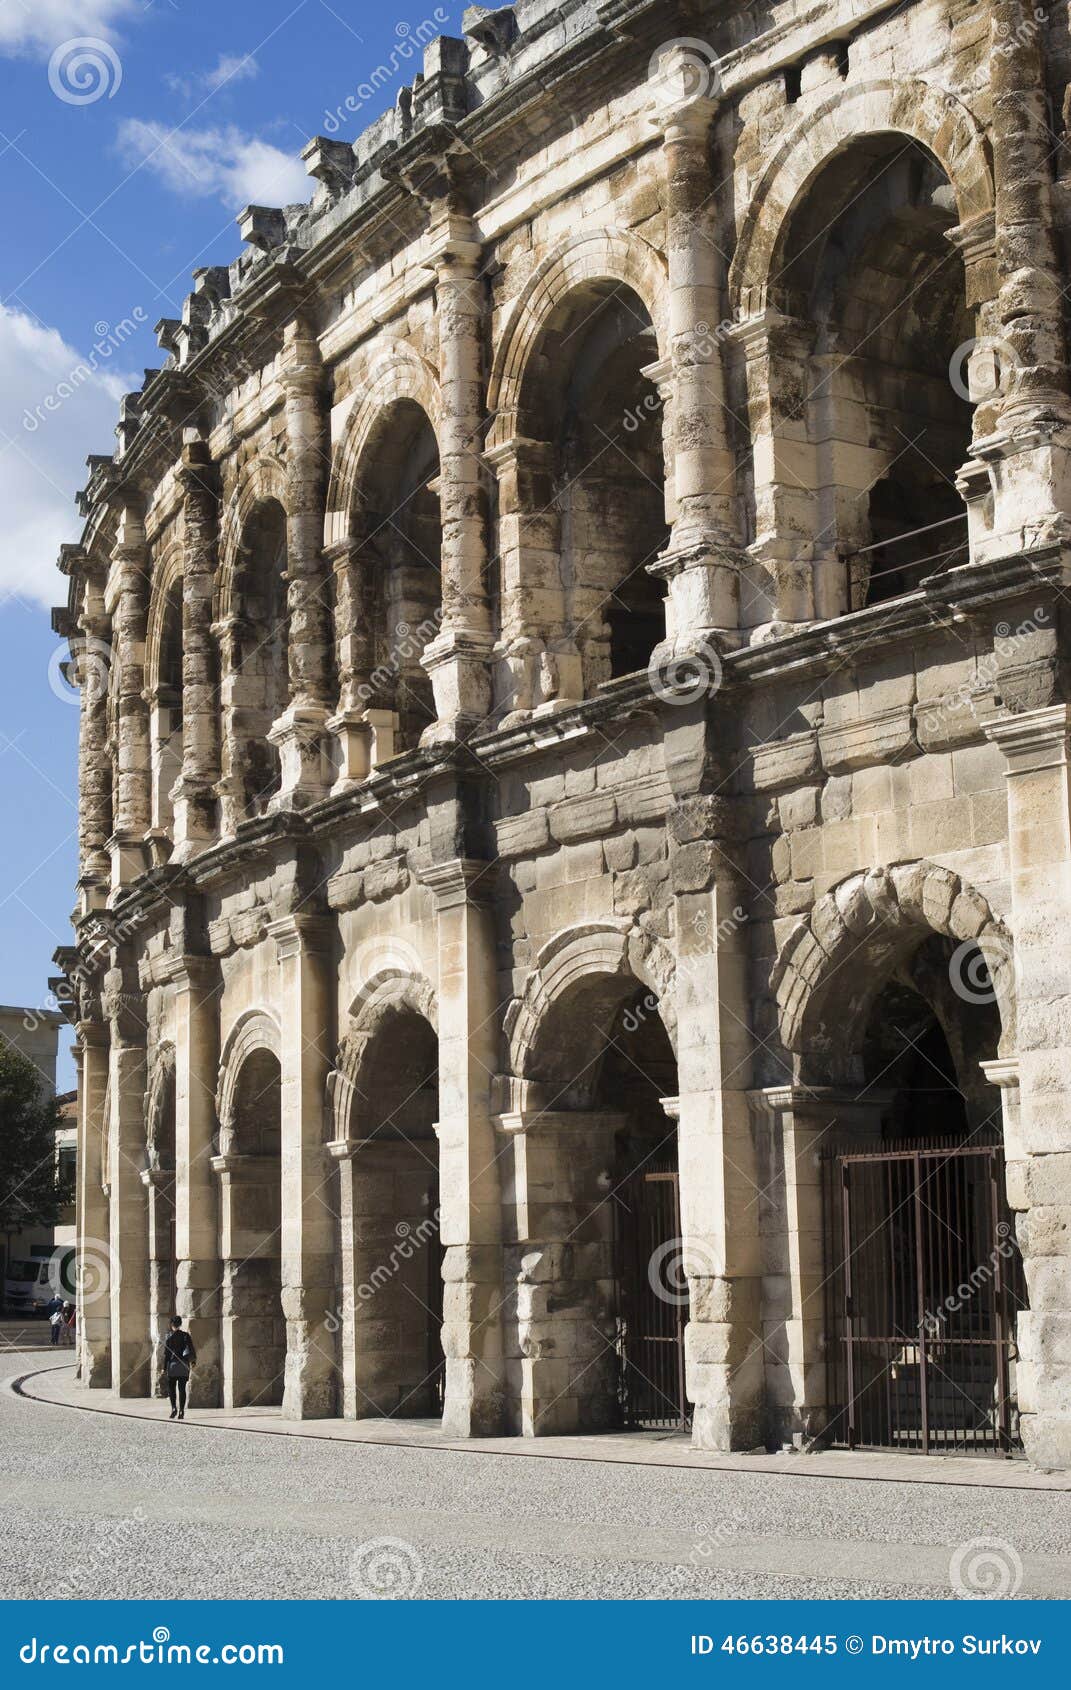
<point x="166" y="577"/>
<point x="386" y="993"/>
<point x="867" y="924"/>
<point x="254" y="1030"/>
<point x="260" y="480"/>
<point x="396" y="373"/>
<point x="610" y="254"/>
<point x="615" y="951"/>
<point x="909" y="106"/>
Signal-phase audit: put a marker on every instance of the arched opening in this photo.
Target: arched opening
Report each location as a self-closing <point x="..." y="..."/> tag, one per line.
<point x="256" y="683"/>
<point x="159" y="1178"/>
<point x="925" y="1279"/>
<point x="250" y="1168"/>
<point x="401" y="531"/>
<point x="585" y="396"/>
<point x="874" y="294"/>
<point x="166" y="707"/>
<point x="601" y="1248"/>
<point x="397" y="1279"/>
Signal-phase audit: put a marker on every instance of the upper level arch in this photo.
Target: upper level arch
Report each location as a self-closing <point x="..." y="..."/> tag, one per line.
<point x="604" y="258"/>
<point x="398" y="376"/>
<point x="931" y="116"/>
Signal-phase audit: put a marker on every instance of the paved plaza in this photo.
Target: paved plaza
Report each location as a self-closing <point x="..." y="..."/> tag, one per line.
<point x="113" y="1505"/>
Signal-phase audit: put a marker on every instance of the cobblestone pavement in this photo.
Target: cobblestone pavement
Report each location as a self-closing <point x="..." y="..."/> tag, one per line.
<point x="99" y="1505"/>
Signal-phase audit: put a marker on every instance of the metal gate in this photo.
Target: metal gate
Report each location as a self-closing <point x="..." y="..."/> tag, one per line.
<point x="923" y="1282"/>
<point x="435" y="1359"/>
<point x="653" y="1305"/>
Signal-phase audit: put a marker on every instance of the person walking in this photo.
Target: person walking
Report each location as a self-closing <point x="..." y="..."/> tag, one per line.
<point x="67" y="1318"/>
<point x="55" y="1322"/>
<point x="179" y="1358"/>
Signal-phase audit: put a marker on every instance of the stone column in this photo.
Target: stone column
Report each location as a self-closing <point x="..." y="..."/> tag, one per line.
<point x="780" y="372"/>
<point x="95" y="1255"/>
<point x="540" y="666"/>
<point x="470" y="1193"/>
<point x="457" y="658"/>
<point x="196" y="986"/>
<point x="797" y="1124"/>
<point x="90" y="670"/>
<point x="159" y="1183"/>
<point x="193" y="795"/>
<point x="127" y="599"/>
<point x="129" y="1235"/>
<point x="719" y="1183"/>
<point x="557" y="1170"/>
<point x="1028" y="456"/>
<point x="366" y="734"/>
<point x="305" y="946"/>
<point x="1036" y="745"/>
<point x="300" y="731"/>
<point x="701" y="563"/>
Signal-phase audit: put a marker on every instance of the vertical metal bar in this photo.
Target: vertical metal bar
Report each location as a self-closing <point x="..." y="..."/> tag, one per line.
<point x="1003" y="1438"/>
<point x="849" y="1356"/>
<point x="920" y="1303"/>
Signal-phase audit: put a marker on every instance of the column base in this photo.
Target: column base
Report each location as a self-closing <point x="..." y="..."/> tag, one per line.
<point x="458" y="664"/>
<point x="311" y="1376"/>
<point x="475" y="1397"/>
<point x="1047" y="1441"/>
<point x="306" y="771"/>
<point x="365" y="740"/>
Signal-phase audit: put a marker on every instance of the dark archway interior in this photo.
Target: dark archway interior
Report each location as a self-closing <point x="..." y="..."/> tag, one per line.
<point x="402" y="530"/>
<point x="586" y="396"/>
<point x="930" y="1027"/>
<point x="398" y="1250"/>
<point x="252" y="1270"/>
<point x="257" y="689"/>
<point x="865" y="258"/>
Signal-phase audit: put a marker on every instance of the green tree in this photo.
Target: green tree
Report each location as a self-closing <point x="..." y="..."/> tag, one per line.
<point x="31" y="1193"/>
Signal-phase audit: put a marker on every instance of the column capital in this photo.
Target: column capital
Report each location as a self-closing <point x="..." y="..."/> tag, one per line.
<point x="301" y="934"/>
<point x="552" y="1123"/>
<point x="1036" y="739"/>
<point x="454" y="882"/>
<point x="1002" y="1072"/>
<point x="191" y="972"/>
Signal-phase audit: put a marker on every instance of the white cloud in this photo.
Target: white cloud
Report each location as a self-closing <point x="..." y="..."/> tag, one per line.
<point x="38" y="26"/>
<point x="232" y="67"/>
<point x="237" y="168"/>
<point x="56" y="407"/>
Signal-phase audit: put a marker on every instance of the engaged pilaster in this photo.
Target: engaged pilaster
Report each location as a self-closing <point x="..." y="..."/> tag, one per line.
<point x="1036" y="745"/>
<point x="470" y="1193"/>
<point x="124" y="1008"/>
<point x="300" y="731"/>
<point x="457" y="658"/>
<point x="97" y="1263"/>
<point x="702" y="561"/>
<point x="194" y="795"/>
<point x="305" y="947"/>
<point x="127" y="599"/>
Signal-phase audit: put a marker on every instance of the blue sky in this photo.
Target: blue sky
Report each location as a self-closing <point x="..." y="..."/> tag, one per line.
<point x="131" y="134"/>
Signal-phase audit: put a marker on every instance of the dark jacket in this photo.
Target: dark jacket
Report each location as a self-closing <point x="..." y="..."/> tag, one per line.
<point x="178" y="1347"/>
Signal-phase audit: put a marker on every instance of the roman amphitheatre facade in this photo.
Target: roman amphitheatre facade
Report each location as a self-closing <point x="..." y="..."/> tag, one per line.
<point x="575" y="840"/>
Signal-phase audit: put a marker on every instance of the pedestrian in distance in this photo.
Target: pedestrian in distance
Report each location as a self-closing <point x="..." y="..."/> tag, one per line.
<point x="67" y="1318"/>
<point x="55" y="1322"/>
<point x="179" y="1359"/>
